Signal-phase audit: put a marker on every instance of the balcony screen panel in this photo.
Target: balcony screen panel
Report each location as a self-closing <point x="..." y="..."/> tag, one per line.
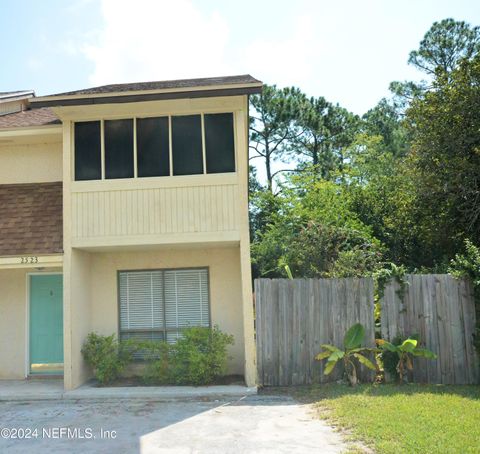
<point x="88" y="159"/>
<point x="187" y="145"/>
<point x="219" y="143"/>
<point x="153" y="147"/>
<point x="118" y="149"/>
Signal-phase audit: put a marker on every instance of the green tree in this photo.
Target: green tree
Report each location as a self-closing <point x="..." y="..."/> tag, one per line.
<point x="443" y="47"/>
<point x="446" y="44"/>
<point x="325" y="131"/>
<point x="314" y="231"/>
<point x="381" y="194"/>
<point x="272" y="125"/>
<point x="384" y="120"/>
<point x="445" y="127"/>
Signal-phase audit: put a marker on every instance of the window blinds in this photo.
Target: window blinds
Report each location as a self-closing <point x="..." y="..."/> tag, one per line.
<point x="159" y="304"/>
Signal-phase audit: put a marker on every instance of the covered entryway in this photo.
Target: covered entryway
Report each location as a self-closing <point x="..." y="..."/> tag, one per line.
<point x="46" y="324"/>
<point x="31" y="245"/>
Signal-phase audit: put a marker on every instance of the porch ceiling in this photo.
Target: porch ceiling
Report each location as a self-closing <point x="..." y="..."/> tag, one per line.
<point x="160" y="247"/>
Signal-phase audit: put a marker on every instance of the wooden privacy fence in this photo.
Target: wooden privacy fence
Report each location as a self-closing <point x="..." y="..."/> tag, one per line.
<point x="440" y="309"/>
<point x="294" y="317"/>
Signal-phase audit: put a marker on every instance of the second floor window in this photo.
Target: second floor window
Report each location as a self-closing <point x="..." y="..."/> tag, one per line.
<point x="154" y="146"/>
<point x="88" y="155"/>
<point x="187" y="145"/>
<point x="118" y="149"/>
<point x="153" y="158"/>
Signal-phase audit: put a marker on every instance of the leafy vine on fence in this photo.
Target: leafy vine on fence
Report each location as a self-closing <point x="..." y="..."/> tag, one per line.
<point x="467" y="265"/>
<point x="384" y="275"/>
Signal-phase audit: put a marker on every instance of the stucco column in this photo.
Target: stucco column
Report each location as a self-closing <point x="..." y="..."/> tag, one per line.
<point x="248" y="324"/>
<point x="76" y="282"/>
<point x="245" y="263"/>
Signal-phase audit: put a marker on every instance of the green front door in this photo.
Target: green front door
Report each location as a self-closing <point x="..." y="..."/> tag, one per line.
<point x="46" y="324"/>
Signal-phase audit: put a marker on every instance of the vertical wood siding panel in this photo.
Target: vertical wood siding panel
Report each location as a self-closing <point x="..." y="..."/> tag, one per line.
<point x="161" y="212"/>
<point x="173" y="211"/>
<point x="202" y="209"/>
<point x="167" y="211"/>
<point x="208" y="209"/>
<point x="155" y="211"/>
<point x="85" y="214"/>
<point x="192" y="210"/>
<point x="197" y="213"/>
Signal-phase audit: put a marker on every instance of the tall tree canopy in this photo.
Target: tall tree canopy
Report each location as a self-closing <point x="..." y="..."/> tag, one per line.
<point x="400" y="184"/>
<point x="445" y="45"/>
<point x="325" y="130"/>
<point x="445" y="127"/>
<point x="272" y="125"/>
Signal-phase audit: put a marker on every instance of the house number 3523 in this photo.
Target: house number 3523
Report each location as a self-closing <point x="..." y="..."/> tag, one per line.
<point x="29" y="259"/>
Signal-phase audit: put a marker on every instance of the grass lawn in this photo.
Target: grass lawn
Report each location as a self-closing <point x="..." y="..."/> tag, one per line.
<point x="403" y="419"/>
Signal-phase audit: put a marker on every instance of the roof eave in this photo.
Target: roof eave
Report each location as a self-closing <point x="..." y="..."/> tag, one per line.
<point x="31" y="130"/>
<point x="148" y="95"/>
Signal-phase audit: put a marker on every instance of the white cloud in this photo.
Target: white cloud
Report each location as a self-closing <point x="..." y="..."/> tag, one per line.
<point x="155" y="40"/>
<point x="286" y="61"/>
<point x="158" y="40"/>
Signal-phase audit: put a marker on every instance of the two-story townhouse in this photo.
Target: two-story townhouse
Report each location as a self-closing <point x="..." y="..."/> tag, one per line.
<point x="124" y="209"/>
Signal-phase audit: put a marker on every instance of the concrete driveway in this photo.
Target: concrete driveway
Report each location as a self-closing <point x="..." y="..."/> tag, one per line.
<point x="254" y="424"/>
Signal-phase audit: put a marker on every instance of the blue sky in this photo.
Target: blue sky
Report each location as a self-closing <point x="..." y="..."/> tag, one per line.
<point x="347" y="51"/>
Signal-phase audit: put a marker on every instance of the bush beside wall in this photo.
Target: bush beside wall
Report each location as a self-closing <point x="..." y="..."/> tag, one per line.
<point x="199" y="357"/>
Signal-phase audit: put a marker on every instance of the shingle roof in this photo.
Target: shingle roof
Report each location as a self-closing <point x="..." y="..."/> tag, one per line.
<point x="31" y="219"/>
<point x="33" y="117"/>
<point x="165" y="84"/>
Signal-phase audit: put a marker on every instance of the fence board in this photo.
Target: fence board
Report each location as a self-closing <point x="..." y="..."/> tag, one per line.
<point x="294" y="317"/>
<point x="440" y="309"/>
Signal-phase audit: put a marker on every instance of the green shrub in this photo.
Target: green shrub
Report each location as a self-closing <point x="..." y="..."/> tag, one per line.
<point x="157" y="362"/>
<point x="405" y="352"/>
<point x="199" y="357"/>
<point x="107" y="357"/>
<point x="352" y="350"/>
<point x="390" y="359"/>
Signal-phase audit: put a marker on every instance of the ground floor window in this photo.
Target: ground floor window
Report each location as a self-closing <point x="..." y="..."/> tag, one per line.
<point x="159" y="304"/>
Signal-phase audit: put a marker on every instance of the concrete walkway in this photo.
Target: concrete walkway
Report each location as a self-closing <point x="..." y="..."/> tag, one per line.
<point x="52" y="389"/>
<point x="252" y="424"/>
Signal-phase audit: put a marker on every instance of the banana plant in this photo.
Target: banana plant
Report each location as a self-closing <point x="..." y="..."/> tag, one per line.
<point x="352" y="350"/>
<point x="405" y="351"/>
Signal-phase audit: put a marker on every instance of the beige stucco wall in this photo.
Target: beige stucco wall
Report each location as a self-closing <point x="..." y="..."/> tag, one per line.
<point x="225" y="288"/>
<point x="12" y="323"/>
<point x="30" y="162"/>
